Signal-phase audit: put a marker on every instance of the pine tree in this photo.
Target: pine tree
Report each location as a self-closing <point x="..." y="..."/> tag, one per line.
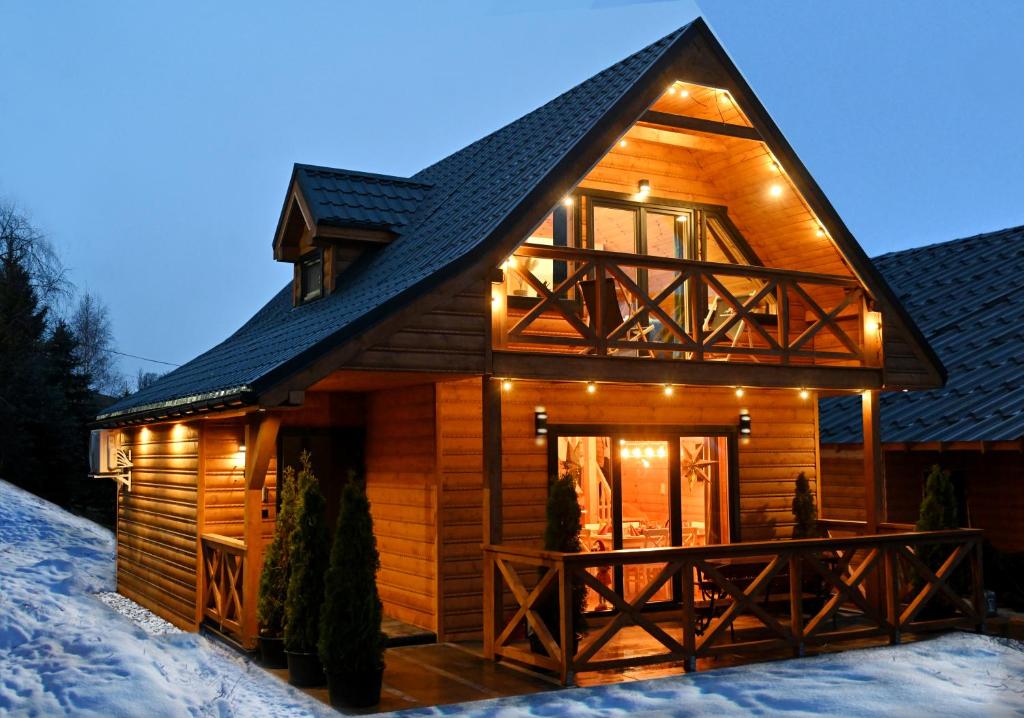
<point x="804" y="511"/>
<point x="25" y="399"/>
<point x="276" y="566"/>
<point x="562" y="533"/>
<point x="938" y="507"/>
<point x="350" y="637"/>
<point x="307" y="551"/>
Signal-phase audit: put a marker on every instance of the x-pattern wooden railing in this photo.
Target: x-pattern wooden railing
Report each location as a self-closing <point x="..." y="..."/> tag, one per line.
<point x="223" y="568"/>
<point x="798" y="593"/>
<point x="679" y="309"/>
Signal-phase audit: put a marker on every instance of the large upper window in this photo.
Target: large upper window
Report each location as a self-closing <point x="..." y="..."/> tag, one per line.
<point x="311" y="276"/>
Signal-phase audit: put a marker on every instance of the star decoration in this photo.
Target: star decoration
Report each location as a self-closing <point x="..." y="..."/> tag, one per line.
<point x="694" y="466"/>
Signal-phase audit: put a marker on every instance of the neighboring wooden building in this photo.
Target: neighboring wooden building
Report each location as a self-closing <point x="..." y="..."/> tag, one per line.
<point x="644" y="257"/>
<point x="974" y="426"/>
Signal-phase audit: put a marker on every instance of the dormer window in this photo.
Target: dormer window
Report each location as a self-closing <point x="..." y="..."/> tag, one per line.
<point x="311" y="276"/>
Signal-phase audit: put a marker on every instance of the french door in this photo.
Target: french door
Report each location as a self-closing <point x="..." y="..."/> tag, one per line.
<point x="647" y="487"/>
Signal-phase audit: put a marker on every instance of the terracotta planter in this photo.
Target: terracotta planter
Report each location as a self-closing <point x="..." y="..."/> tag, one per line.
<point x="356" y="689"/>
<point x="304" y="669"/>
<point x="272" y="652"/>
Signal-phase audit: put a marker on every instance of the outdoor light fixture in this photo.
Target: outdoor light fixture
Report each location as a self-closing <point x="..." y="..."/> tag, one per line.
<point x="506" y="384"/>
<point x="622" y="143"/>
<point x="820" y="231"/>
<point x="804" y="394"/>
<point x="873" y="321"/>
<point x="591" y="387"/>
<point x="671" y="89"/>
<point x="775" y="190"/>
<point x="644" y="186"/>
<point x="744" y="424"/>
<point x="567" y="201"/>
<point x="739" y="392"/>
<point x="681" y="218"/>
<point x="540" y="422"/>
<point x="669" y="390"/>
<point x="684" y="93"/>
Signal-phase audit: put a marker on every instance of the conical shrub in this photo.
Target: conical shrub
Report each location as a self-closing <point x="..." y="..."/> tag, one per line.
<point x="308" y="553"/>
<point x="276" y="566"/>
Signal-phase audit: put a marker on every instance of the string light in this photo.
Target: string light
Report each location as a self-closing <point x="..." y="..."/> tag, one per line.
<point x="671" y="89"/>
<point x="804" y="394"/>
<point x="506" y="385"/>
<point x="669" y="390"/>
<point x="739" y="392"/>
<point x="622" y="143"/>
<point x="591" y="387"/>
<point x="820" y="232"/>
<point x="684" y="93"/>
<point x="775" y="190"/>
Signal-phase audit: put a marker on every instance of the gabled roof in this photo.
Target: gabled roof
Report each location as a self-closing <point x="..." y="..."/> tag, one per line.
<point x="471" y="194"/>
<point x="344" y="198"/>
<point x="967" y="296"/>
<point x="465" y="213"/>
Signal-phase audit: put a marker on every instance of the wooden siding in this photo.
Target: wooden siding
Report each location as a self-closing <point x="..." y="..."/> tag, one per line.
<point x="990" y="483"/>
<point x="224" y="483"/>
<point x="450" y="338"/>
<point x="784" y="444"/>
<point x="402" y="488"/>
<point x="157" y="520"/>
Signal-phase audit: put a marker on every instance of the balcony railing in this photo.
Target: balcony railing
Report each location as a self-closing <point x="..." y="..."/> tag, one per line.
<point x="584" y="301"/>
<point x="730" y="599"/>
<point x="223" y="574"/>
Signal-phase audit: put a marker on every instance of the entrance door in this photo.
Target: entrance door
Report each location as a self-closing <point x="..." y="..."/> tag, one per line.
<point x="645" y="488"/>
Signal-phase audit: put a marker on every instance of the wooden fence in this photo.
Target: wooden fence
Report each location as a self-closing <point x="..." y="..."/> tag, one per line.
<point x="829" y="589"/>
<point x="223" y="571"/>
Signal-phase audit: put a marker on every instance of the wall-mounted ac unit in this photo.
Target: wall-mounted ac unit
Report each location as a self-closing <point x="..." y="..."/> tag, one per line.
<point x="108" y="459"/>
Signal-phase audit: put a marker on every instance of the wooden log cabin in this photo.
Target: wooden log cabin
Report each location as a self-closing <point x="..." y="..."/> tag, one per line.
<point x="642" y="268"/>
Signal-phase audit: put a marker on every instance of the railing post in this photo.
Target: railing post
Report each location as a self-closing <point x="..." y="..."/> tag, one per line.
<point x="689" y="618"/>
<point x="567" y="637"/>
<point x="891" y="581"/>
<point x="597" y="321"/>
<point x="796" y="603"/>
<point x="783" y="309"/>
<point x="491" y="605"/>
<point x="978" y="577"/>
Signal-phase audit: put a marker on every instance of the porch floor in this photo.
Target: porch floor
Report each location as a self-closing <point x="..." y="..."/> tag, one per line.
<point x="419" y="676"/>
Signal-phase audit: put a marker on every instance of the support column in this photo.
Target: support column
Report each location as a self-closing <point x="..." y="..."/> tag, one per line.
<point x="260" y="446"/>
<point x="493" y="599"/>
<point x="874" y="468"/>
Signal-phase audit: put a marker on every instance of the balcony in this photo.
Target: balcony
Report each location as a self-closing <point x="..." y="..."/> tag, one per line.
<point x="584" y="302"/>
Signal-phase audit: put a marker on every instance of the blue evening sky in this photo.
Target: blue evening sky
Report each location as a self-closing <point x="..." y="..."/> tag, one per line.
<point x="153" y="141"/>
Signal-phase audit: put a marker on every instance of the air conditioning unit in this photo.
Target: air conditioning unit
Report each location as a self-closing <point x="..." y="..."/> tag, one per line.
<point x="108" y="459"/>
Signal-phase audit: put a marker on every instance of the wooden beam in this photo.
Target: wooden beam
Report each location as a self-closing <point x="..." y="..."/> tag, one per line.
<point x="492" y="508"/>
<point x="645" y="133"/>
<point x="874" y="465"/>
<point x="260" y="446"/>
<point x="567" y="367"/>
<point x="695" y="124"/>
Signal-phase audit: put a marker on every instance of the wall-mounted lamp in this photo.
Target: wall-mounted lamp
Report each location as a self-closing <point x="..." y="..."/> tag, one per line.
<point x="644" y="187"/>
<point x="873" y="321"/>
<point x="540" y="422"/>
<point x="744" y="424"/>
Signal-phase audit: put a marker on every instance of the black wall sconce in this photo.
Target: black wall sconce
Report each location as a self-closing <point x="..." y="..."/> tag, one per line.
<point x="744" y="424"/>
<point x="540" y="422"/>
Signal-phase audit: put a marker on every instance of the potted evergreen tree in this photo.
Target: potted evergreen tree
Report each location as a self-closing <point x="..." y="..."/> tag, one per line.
<point x="274" y="578"/>
<point x="351" y="642"/>
<point x="938" y="513"/>
<point x="307" y="551"/>
<point x="562" y="533"/>
<point x="804" y="510"/>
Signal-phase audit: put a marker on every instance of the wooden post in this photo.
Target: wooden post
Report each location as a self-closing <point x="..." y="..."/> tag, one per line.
<point x="689" y="618"/>
<point x="978" y="577"/>
<point x="567" y="633"/>
<point x="493" y="599"/>
<point x="796" y="603"/>
<point x="874" y="484"/>
<point x="260" y="446"/>
<point x="874" y="469"/>
<point x="892" y="592"/>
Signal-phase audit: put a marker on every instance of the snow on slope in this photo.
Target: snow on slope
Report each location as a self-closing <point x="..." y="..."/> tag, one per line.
<point x="64" y="652"/>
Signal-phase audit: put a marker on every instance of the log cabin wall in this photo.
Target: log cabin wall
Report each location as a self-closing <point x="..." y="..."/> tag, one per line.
<point x="989" y="482"/>
<point x="224" y="483"/>
<point x="784" y="443"/>
<point x="401" y="483"/>
<point x="157" y="522"/>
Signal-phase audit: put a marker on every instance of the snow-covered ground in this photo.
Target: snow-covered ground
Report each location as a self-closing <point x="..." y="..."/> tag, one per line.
<point x="69" y="646"/>
<point x="66" y="651"/>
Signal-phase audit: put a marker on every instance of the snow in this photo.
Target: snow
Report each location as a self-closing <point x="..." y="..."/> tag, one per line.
<point x="66" y="651"/>
<point x="69" y="646"/>
<point x="956" y="674"/>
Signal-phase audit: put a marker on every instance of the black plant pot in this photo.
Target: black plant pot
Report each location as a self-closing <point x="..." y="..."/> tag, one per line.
<point x="304" y="669"/>
<point x="272" y="652"/>
<point x="356" y="689"/>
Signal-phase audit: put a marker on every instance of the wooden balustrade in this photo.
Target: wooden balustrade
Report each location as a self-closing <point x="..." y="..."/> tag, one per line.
<point x="798" y="593"/>
<point x="783" y="316"/>
<point x="223" y="571"/>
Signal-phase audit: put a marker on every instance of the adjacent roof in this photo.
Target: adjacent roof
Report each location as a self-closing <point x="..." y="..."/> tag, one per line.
<point x="464" y="200"/>
<point x="967" y="296"/>
<point x="344" y="198"/>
